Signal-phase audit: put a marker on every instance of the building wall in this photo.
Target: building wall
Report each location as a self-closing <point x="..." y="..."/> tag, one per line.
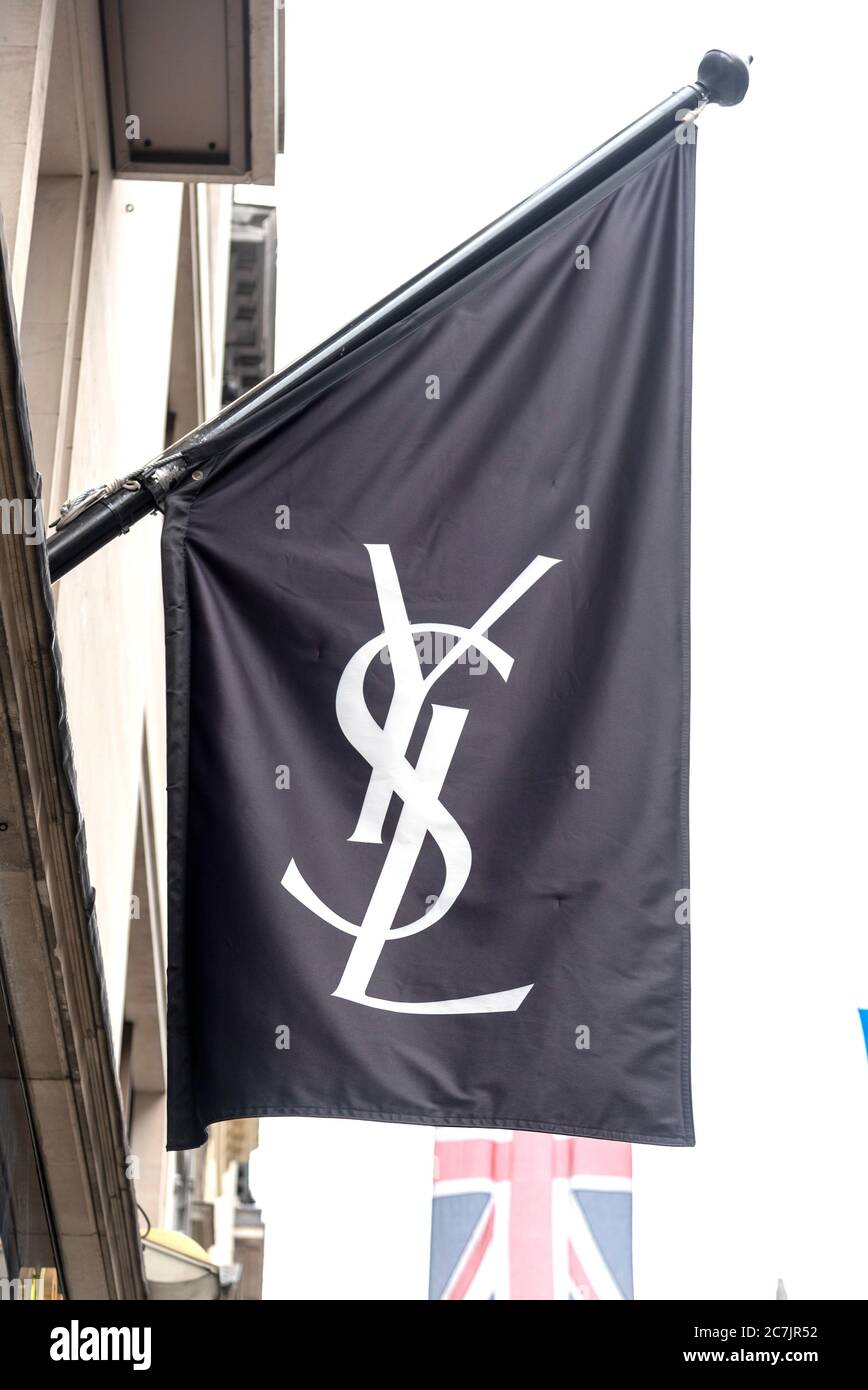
<point x="109" y="609"/>
<point x="120" y="290"/>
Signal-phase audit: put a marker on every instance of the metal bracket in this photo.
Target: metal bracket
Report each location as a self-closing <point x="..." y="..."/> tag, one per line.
<point x="689" y="115"/>
<point x="160" y="478"/>
<point x="74" y="506"/>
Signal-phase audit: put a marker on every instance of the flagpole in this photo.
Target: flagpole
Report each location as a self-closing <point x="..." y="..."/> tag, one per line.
<point x="98" y="516"/>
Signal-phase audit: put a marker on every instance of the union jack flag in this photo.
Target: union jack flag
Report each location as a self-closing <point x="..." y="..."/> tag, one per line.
<point x="530" y="1216"/>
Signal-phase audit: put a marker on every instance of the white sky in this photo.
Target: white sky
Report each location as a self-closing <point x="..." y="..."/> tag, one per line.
<point x="409" y="126"/>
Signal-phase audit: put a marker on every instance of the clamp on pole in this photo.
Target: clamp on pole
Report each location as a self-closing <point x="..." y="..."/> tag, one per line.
<point x="75" y="506"/>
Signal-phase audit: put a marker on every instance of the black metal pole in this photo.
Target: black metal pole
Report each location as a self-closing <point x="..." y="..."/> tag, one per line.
<point x="105" y="513"/>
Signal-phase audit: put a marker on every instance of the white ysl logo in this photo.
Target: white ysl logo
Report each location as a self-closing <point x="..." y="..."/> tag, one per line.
<point x="418" y="787"/>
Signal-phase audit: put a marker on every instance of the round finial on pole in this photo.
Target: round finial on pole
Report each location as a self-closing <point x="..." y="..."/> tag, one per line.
<point x="724" y="76"/>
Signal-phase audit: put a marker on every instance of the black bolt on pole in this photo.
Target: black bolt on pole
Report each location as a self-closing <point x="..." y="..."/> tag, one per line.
<point x="97" y="517"/>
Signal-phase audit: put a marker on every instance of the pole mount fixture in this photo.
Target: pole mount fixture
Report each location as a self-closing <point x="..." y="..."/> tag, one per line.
<point x="93" y="520"/>
<point x="724" y="76"/>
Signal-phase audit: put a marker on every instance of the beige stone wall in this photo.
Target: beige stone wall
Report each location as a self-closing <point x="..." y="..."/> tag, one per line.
<point x="95" y="266"/>
<point x="109" y="609"/>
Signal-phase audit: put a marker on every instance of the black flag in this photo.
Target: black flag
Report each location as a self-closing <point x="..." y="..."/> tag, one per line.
<point x="428" y="709"/>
